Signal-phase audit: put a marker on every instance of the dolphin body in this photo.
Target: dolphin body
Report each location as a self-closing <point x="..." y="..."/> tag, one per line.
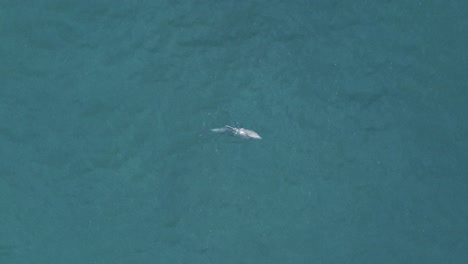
<point x="238" y="132"/>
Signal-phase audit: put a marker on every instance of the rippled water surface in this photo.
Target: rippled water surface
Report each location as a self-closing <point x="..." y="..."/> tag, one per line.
<point x="107" y="155"/>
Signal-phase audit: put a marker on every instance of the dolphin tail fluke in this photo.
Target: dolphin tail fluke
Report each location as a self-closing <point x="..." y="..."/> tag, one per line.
<point x="219" y="130"/>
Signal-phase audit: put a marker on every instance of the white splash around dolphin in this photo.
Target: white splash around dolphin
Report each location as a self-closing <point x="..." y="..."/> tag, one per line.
<point x="238" y="132"/>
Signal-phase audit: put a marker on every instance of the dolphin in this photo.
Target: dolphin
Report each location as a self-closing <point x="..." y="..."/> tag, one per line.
<point x="238" y="132"/>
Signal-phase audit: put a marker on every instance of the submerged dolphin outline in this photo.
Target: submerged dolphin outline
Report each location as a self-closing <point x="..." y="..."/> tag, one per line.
<point x="238" y="132"/>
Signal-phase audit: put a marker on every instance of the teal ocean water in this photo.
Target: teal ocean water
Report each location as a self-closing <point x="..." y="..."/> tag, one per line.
<point x="107" y="155"/>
